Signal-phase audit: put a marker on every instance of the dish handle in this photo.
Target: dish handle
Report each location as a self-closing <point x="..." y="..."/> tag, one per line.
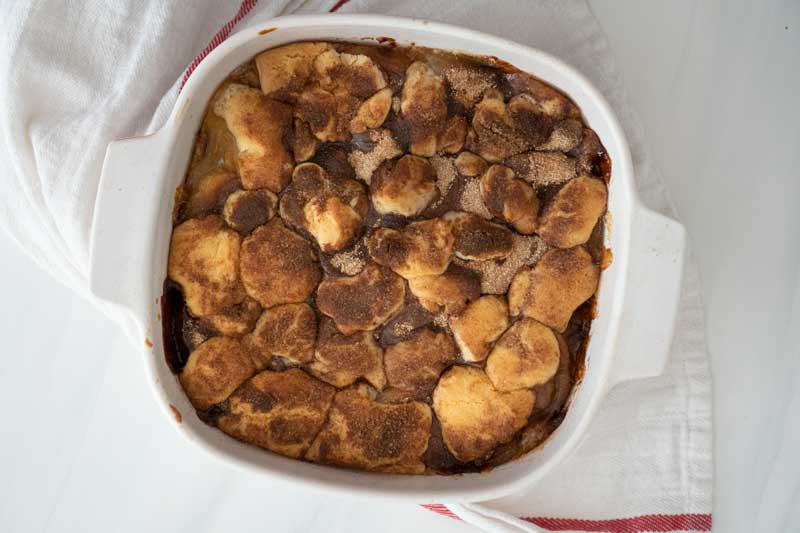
<point x="652" y="293"/>
<point x="120" y="244"/>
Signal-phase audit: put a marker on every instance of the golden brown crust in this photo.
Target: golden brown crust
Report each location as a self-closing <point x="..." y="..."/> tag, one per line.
<point x="330" y="208"/>
<point x="476" y="417"/>
<point x="424" y="106"/>
<point x="422" y="248"/>
<point x="471" y="165"/>
<point x="552" y="290"/>
<point x="479" y="325"/>
<point x="284" y="71"/>
<point x="320" y="110"/>
<point x="244" y="211"/>
<point x="510" y="198"/>
<point x="452" y="289"/>
<point x="304" y="144"/>
<point x="332" y="223"/>
<point x="415" y="364"/>
<point x="278" y="266"/>
<point x="553" y="102"/>
<point x="453" y="136"/>
<point x="403" y="187"/>
<point x="361" y="433"/>
<point x="279" y="411"/>
<point x="342" y="359"/>
<point x="288" y="330"/>
<point x="259" y="125"/>
<point x="236" y="320"/>
<point x="477" y="239"/>
<point x="566" y="135"/>
<point x="208" y="193"/>
<point x="571" y="216"/>
<point x="352" y="74"/>
<point x="504" y="129"/>
<point x="406" y="168"/>
<point x="372" y="112"/>
<point x="214" y="370"/>
<point x="334" y="98"/>
<point x="204" y="261"/>
<point x="361" y="302"/>
<point x="526" y="355"/>
<point x="543" y="168"/>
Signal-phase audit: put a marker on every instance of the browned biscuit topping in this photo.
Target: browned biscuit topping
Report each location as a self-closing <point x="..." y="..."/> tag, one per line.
<point x="452" y="289"/>
<point x="279" y="411"/>
<point x="415" y="364"/>
<point x="554" y="287"/>
<point x="244" y="211"/>
<point x="477" y="239"/>
<point x="475" y="416"/>
<point x="342" y="359"/>
<point x="404" y="187"/>
<point x="361" y="302"/>
<point x="526" y="355"/>
<point x="288" y="330"/>
<point x="204" y="260"/>
<point x="479" y="325"/>
<point x="361" y="433"/>
<point x="236" y="320"/>
<point x="510" y="198"/>
<point x="386" y="257"/>
<point x="278" y="266"/>
<point x="214" y="370"/>
<point x="573" y="213"/>
<point x="259" y="125"/>
<point x="422" y="248"/>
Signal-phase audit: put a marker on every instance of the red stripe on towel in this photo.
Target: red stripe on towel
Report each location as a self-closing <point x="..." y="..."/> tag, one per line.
<point x="219" y="37"/>
<point x="441" y="509"/>
<point x="337" y="5"/>
<point x="636" y="524"/>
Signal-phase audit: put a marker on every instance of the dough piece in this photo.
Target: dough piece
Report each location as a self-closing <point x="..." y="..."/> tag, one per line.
<point x="422" y="248"/>
<point x="573" y="213"/>
<point x="552" y="290"/>
<point x="476" y="417"/>
<point x="204" y="261"/>
<point x="526" y="355"/>
<point x="362" y="433"/>
<point x="479" y="325"/>
<point x="415" y="364"/>
<point x="288" y="330"/>
<point x="259" y="125"/>
<point x="278" y="265"/>
<point x="214" y="370"/>
<point x="279" y="411"/>
<point x="361" y="302"/>
<point x="342" y="359"/>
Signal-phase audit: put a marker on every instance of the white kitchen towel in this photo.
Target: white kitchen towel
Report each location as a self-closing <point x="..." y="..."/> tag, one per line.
<point x="77" y="76"/>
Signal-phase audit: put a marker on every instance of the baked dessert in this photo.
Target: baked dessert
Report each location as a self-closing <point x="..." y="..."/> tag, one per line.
<point x="386" y="258"/>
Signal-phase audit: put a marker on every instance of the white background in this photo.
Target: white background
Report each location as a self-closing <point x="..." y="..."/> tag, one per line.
<point x="84" y="448"/>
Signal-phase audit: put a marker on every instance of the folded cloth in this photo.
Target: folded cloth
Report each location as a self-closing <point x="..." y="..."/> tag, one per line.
<point x="78" y="77"/>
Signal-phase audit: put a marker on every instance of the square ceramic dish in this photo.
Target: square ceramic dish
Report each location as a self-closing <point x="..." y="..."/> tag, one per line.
<point x="637" y="301"/>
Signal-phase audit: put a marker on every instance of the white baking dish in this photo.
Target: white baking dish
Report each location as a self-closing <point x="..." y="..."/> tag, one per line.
<point x="638" y="295"/>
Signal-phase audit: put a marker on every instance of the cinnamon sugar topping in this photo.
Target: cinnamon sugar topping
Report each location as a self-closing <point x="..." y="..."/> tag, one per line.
<point x="349" y="262"/>
<point x="496" y="276"/>
<point x="383" y="147"/>
<point x="446" y="174"/>
<point x="470" y="200"/>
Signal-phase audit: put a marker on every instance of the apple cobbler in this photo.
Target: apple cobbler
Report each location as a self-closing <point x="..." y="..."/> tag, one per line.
<point x="385" y="257"/>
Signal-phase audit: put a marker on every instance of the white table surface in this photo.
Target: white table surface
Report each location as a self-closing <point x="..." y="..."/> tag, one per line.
<point x="83" y="446"/>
